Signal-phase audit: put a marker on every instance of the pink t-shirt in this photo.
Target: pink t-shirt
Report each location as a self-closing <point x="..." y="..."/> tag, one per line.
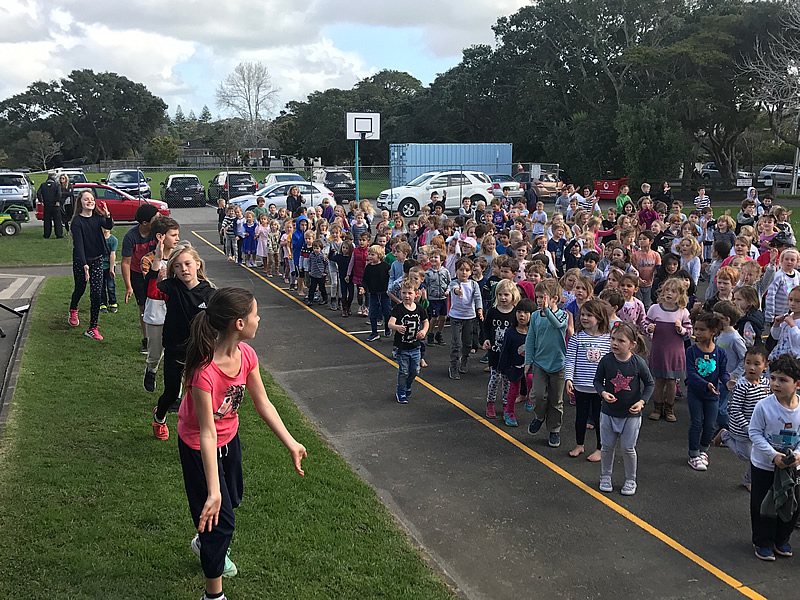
<point x="227" y="394"/>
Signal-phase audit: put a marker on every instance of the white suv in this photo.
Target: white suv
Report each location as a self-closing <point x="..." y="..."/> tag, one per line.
<point x="454" y="185"/>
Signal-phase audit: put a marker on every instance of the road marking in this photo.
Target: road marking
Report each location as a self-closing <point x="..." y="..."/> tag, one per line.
<point x="597" y="495"/>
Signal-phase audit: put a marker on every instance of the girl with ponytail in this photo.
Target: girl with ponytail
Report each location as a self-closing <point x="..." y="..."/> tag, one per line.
<point x="219" y="366"/>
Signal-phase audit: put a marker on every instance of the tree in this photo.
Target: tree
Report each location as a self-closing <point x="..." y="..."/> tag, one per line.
<point x="248" y="93"/>
<point x="651" y="142"/>
<point x="161" y="150"/>
<point x="205" y="115"/>
<point x="3" y="158"/>
<point x="191" y="116"/>
<point x="179" y="119"/>
<point x="40" y="146"/>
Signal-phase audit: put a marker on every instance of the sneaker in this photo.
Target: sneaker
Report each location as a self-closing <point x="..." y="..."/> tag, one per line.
<point x="430" y="339"/>
<point x="112" y="308"/>
<point x="535" y="426"/>
<point x="555" y="440"/>
<point x="629" y="489"/>
<point x="73" y="318"/>
<point x="605" y="484"/>
<point x="490" y="412"/>
<point x="704" y="458"/>
<point x="439" y="339"/>
<point x="528" y="405"/>
<point x="698" y="465"/>
<point x="103" y="308"/>
<point x="373" y="337"/>
<point x="230" y="569"/>
<point x="453" y="372"/>
<point x="784" y="550"/>
<point x="160" y="430"/>
<point x="462" y="368"/>
<point x="408" y="393"/>
<point x="149" y="381"/>
<point x="764" y="553"/>
<point x="322" y="302"/>
<point x="204" y="597"/>
<point x="143" y="348"/>
<point x="93" y="333"/>
<point x="333" y="306"/>
<point x="402" y="398"/>
<point x="387" y="333"/>
<point x="510" y="420"/>
<point x="484" y="359"/>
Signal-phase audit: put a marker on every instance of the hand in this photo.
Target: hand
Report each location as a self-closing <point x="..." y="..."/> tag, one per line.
<point x="400" y="328"/>
<point x="86" y="271"/>
<point x="608" y="397"/>
<point x="651" y="328"/>
<point x="209" y="517"/>
<point x="160" y="250"/>
<point x="678" y="326"/>
<point x="731" y="384"/>
<point x="712" y="389"/>
<point x="58" y="203"/>
<point x="527" y="369"/>
<point x="128" y="294"/>
<point x="420" y="335"/>
<point x="347" y="279"/>
<point x="458" y="291"/>
<point x="298" y="453"/>
<point x="486" y="345"/>
<point x="104" y="208"/>
<point x="361" y="290"/>
<point x="111" y="273"/>
<point x="162" y="273"/>
<point x="570" y="387"/>
<point x="779" y="319"/>
<point x="636" y="408"/>
<point x="545" y="300"/>
<point x="790" y="320"/>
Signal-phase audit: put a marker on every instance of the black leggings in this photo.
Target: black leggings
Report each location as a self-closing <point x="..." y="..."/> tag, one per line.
<point x="95" y="287"/>
<point x="585" y="405"/>
<point x="347" y="291"/>
<point x="173" y="372"/>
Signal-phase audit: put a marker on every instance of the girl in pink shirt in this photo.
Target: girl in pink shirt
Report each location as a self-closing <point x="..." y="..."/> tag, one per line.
<point x="219" y="366"/>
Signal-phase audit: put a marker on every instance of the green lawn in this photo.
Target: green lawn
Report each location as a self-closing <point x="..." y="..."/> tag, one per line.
<point x="29" y="247"/>
<point x="94" y="507"/>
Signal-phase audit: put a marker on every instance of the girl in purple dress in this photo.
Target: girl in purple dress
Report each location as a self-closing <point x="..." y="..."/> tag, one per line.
<point x="667" y="324"/>
<point x="250" y="242"/>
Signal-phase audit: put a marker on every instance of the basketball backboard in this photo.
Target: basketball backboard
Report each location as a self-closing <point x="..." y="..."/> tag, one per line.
<point x="363" y="126"/>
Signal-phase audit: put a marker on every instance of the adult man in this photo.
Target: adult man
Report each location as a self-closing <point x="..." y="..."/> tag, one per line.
<point x="49" y="195"/>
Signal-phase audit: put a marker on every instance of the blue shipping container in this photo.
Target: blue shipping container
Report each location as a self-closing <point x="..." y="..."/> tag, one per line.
<point x="408" y="161"/>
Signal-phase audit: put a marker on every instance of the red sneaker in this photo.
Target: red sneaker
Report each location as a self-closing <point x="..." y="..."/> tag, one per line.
<point x="160" y="430"/>
<point x="73" y="318"/>
<point x="490" y="412"/>
<point x="93" y="333"/>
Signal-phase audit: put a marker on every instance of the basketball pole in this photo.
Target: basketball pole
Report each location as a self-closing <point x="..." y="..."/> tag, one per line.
<point x="358" y="197"/>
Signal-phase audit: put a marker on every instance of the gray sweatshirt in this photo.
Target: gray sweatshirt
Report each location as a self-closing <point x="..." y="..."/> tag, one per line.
<point x="773" y="427"/>
<point x="467" y="305"/>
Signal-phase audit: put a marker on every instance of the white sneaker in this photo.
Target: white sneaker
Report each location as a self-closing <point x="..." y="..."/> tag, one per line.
<point x="697" y="463"/>
<point x="704" y="457"/>
<point x="629" y="489"/>
<point x="605" y="484"/>
<point x="230" y="569"/>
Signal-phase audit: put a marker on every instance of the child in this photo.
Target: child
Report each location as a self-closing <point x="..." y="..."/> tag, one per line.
<point x="708" y="227"/>
<point x="305" y="254"/>
<point x="465" y="210"/>
<point x="726" y="279"/>
<point x="498" y="320"/>
<point x="590" y="266"/>
<point x="702" y="201"/>
<point x="298" y="242"/>
<point x="465" y="304"/>
<point x="751" y="325"/>
<point x="208" y="423"/>
<point x="355" y="270"/>
<point x="555" y="247"/>
<point x="289" y="272"/>
<point x="273" y="248"/>
<point x="667" y="324"/>
<point x="633" y="310"/>
<point x="545" y="349"/>
<point x="222" y="212"/>
<point x="480" y="275"/>
<point x="409" y="321"/>
<point x="719" y="252"/>
<point x="689" y="251"/>
<point x="748" y="391"/>
<point x="782" y="219"/>
<point x="317" y="268"/>
<point x="625" y="384"/>
<point x="784" y="329"/>
<point x="187" y="292"/>
<point x="108" y="297"/>
<point x="396" y="272"/>
<point x="488" y="250"/>
<point x="646" y="261"/>
<point x="499" y="216"/>
<point x="333" y="248"/>
<point x="706" y="373"/>
<point x="240" y="223"/>
<point x="735" y="348"/>
<point x="437" y="282"/>
<point x="623" y="197"/>
<point x="342" y="261"/>
<point x="747" y="215"/>
<point x="512" y="358"/>
<point x="154" y="267"/>
<point x="775" y="436"/>
<point x="724" y="230"/>
<point x="582" y="290"/>
<point x="539" y="219"/>
<point x="614" y="303"/>
<point x="228" y="230"/>
<point x="584" y="351"/>
<point x="262" y="240"/>
<point x="375" y="282"/>
<point x="782" y="284"/>
<point x="646" y="214"/>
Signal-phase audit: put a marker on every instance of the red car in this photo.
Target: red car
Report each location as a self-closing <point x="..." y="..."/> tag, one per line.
<point x="121" y="205"/>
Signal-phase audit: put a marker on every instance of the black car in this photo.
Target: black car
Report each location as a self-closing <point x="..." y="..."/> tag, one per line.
<point x="131" y="181"/>
<point x="231" y="184"/>
<point x="342" y="184"/>
<point x="183" y="190"/>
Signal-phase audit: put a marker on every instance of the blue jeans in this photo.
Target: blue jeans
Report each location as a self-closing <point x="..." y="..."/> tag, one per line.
<point x="722" y="415"/>
<point x="380" y="305"/>
<point x="407" y="368"/>
<point x="109" y="291"/>
<point x="703" y="414"/>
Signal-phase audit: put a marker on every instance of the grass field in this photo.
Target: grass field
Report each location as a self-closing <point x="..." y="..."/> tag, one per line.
<point x="28" y="247"/>
<point x="94" y="506"/>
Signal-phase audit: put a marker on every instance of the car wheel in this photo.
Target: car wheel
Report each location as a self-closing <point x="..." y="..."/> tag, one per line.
<point x="408" y="208"/>
<point x="252" y="208"/>
<point x="477" y="197"/>
<point x="11" y="228"/>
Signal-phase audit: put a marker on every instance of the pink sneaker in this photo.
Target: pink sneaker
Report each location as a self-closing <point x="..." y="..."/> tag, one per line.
<point x="73" y="318"/>
<point x="490" y="412"/>
<point x="93" y="333"/>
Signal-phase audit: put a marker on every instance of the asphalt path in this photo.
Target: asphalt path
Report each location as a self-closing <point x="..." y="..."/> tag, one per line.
<point x="498" y="512"/>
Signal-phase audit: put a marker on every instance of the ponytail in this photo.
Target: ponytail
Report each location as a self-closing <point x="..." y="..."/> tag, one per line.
<point x="200" y="348"/>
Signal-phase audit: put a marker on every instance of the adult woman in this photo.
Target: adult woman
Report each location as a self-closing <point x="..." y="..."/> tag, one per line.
<point x="294" y="201"/>
<point x="665" y="196"/>
<point x="67" y="199"/>
<point x="88" y="249"/>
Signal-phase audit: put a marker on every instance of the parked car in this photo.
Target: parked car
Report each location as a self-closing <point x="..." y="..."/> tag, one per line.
<point x="501" y="180"/>
<point x="131" y="181"/>
<point x="548" y="185"/>
<point x="416" y="193"/>
<point x="276" y="194"/>
<point x="231" y="184"/>
<point x="780" y="174"/>
<point x="15" y="188"/>
<point x="183" y="190"/>
<point x="121" y="204"/>
<point x="274" y="178"/>
<point x="341" y="182"/>
<point x="709" y="171"/>
<point x="74" y="175"/>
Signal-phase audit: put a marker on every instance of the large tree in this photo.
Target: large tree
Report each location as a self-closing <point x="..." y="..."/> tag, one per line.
<point x="249" y="94"/>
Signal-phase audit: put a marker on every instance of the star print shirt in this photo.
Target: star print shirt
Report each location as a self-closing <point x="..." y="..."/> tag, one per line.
<point x="703" y="368"/>
<point x="629" y="381"/>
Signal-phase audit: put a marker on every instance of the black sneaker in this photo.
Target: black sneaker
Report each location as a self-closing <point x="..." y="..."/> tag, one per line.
<point x="453" y="372"/>
<point x="143" y="349"/>
<point x="439" y="339"/>
<point x="462" y="367"/>
<point x="430" y="339"/>
<point x="149" y="381"/>
<point x="555" y="440"/>
<point x="112" y="308"/>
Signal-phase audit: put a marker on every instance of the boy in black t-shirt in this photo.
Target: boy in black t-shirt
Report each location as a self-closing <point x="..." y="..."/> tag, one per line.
<point x="409" y="321"/>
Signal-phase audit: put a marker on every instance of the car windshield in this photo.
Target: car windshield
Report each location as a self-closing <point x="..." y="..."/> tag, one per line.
<point x="240" y="179"/>
<point x="123" y="177"/>
<point x="421" y="180"/>
<point x="77" y="178"/>
<point x="15" y="180"/>
<point x="501" y="178"/>
<point x="481" y="177"/>
<point x="339" y="177"/>
<point x="184" y="181"/>
<point x="288" y="177"/>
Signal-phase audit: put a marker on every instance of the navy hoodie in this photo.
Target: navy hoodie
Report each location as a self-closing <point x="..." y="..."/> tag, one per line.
<point x="298" y="239"/>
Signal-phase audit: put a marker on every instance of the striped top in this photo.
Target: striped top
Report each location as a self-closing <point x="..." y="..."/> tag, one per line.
<point x="743" y="400"/>
<point x="701" y="203"/>
<point x="584" y="352"/>
<point x="778" y="294"/>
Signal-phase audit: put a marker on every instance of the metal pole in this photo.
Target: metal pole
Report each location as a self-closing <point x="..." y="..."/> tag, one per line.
<point x="358" y="197"/>
<point x="793" y="189"/>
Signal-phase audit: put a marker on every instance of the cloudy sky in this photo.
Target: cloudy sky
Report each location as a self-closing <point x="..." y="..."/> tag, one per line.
<point x="181" y="49"/>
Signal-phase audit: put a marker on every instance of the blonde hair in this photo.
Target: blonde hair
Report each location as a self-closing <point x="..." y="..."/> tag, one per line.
<point x="679" y="286"/>
<point x="377" y="250"/>
<point x="509" y="287"/>
<point x="696" y="250"/>
<point x="185" y="246"/>
<point x="366" y="208"/>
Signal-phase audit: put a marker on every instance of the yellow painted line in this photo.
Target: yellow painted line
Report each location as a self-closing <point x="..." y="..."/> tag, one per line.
<point x="597" y="495"/>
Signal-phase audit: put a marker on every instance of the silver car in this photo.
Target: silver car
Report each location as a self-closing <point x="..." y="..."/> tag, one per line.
<point x="501" y="180"/>
<point x="15" y="188"/>
<point x="276" y="194"/>
<point x="780" y="174"/>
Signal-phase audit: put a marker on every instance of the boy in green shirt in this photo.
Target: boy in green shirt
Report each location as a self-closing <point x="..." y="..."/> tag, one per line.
<point x="622" y="198"/>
